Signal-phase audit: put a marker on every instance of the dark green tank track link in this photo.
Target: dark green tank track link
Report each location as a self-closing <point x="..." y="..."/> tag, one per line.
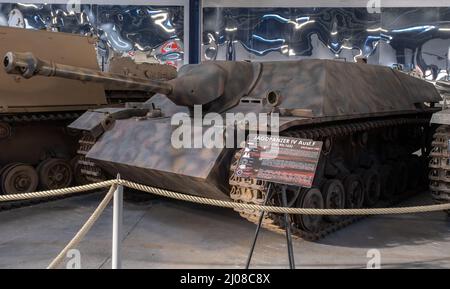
<point x="254" y="191"/>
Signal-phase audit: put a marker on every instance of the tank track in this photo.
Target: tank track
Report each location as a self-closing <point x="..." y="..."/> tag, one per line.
<point x="440" y="165"/>
<point x="34" y="117"/>
<point x="93" y="173"/>
<point x="27" y="118"/>
<point x="254" y="191"/>
<point x="88" y="169"/>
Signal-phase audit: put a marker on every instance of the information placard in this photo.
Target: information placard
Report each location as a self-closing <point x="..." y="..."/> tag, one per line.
<point x="280" y="159"/>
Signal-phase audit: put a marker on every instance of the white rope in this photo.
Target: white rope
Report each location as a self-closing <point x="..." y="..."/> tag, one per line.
<point x="83" y="231"/>
<point x="281" y="210"/>
<point x="206" y="201"/>
<point x="226" y="204"/>
<point x="57" y="192"/>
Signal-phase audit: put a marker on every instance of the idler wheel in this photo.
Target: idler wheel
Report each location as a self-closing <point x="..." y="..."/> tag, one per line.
<point x="19" y="178"/>
<point x="310" y="198"/>
<point x="55" y="174"/>
<point x="372" y="188"/>
<point x="354" y="191"/>
<point x="334" y="197"/>
<point x="387" y="181"/>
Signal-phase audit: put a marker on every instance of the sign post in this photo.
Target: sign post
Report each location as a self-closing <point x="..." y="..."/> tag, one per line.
<point x="282" y="160"/>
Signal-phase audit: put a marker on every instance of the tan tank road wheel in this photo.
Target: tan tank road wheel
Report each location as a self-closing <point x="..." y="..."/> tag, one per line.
<point x="19" y="178"/>
<point x="55" y="174"/>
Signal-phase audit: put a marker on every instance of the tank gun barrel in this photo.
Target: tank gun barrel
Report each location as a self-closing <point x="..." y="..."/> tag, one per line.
<point x="27" y="65"/>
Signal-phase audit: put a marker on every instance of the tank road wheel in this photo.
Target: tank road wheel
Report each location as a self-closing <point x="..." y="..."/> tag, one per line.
<point x="334" y="197"/>
<point x="372" y="188"/>
<point x="55" y="174"/>
<point x="19" y="178"/>
<point x="310" y="198"/>
<point x="387" y="182"/>
<point x="354" y="191"/>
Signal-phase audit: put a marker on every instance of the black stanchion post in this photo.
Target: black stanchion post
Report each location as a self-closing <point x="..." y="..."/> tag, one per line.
<point x="288" y="230"/>
<point x="258" y="227"/>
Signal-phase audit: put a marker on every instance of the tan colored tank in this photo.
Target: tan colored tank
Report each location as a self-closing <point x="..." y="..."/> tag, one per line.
<point x="36" y="148"/>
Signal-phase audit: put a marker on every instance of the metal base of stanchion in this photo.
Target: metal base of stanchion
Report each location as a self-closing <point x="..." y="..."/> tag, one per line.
<point x="258" y="228"/>
<point x="288" y="230"/>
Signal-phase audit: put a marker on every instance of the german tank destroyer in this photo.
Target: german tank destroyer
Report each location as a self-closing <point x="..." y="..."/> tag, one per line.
<point x="372" y="121"/>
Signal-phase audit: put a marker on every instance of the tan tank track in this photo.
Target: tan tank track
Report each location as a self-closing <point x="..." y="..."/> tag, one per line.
<point x="253" y="191"/>
<point x="440" y="165"/>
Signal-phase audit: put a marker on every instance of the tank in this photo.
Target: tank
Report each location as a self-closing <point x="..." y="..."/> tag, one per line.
<point x="37" y="148"/>
<point x="440" y="151"/>
<point x="372" y="121"/>
<point x="34" y="114"/>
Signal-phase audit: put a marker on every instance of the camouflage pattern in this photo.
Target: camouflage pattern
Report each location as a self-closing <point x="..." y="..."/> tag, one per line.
<point x="303" y="92"/>
<point x="127" y="67"/>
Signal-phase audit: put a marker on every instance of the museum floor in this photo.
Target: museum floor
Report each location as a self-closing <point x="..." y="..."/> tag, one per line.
<point x="162" y="233"/>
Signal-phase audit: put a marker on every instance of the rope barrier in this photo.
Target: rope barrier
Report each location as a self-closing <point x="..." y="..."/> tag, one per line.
<point x="227" y="204"/>
<point x="283" y="210"/>
<point x="199" y="200"/>
<point x="57" y="192"/>
<point x="86" y="227"/>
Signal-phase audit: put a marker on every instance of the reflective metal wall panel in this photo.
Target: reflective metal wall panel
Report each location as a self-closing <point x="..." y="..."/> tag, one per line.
<point x="414" y="38"/>
<point x="146" y="33"/>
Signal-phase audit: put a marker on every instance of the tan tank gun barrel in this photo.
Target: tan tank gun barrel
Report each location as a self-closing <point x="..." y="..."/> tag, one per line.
<point x="27" y="65"/>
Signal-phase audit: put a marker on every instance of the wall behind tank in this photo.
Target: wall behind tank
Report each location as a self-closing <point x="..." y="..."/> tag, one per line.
<point x="150" y="33"/>
<point x="414" y="34"/>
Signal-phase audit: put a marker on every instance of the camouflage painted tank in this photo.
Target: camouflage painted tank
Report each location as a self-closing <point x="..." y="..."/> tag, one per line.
<point x="371" y="120"/>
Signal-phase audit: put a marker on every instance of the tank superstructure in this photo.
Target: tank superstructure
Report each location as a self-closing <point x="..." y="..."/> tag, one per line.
<point x="371" y="120"/>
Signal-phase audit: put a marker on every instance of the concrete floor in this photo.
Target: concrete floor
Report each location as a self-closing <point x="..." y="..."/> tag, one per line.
<point x="164" y="233"/>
